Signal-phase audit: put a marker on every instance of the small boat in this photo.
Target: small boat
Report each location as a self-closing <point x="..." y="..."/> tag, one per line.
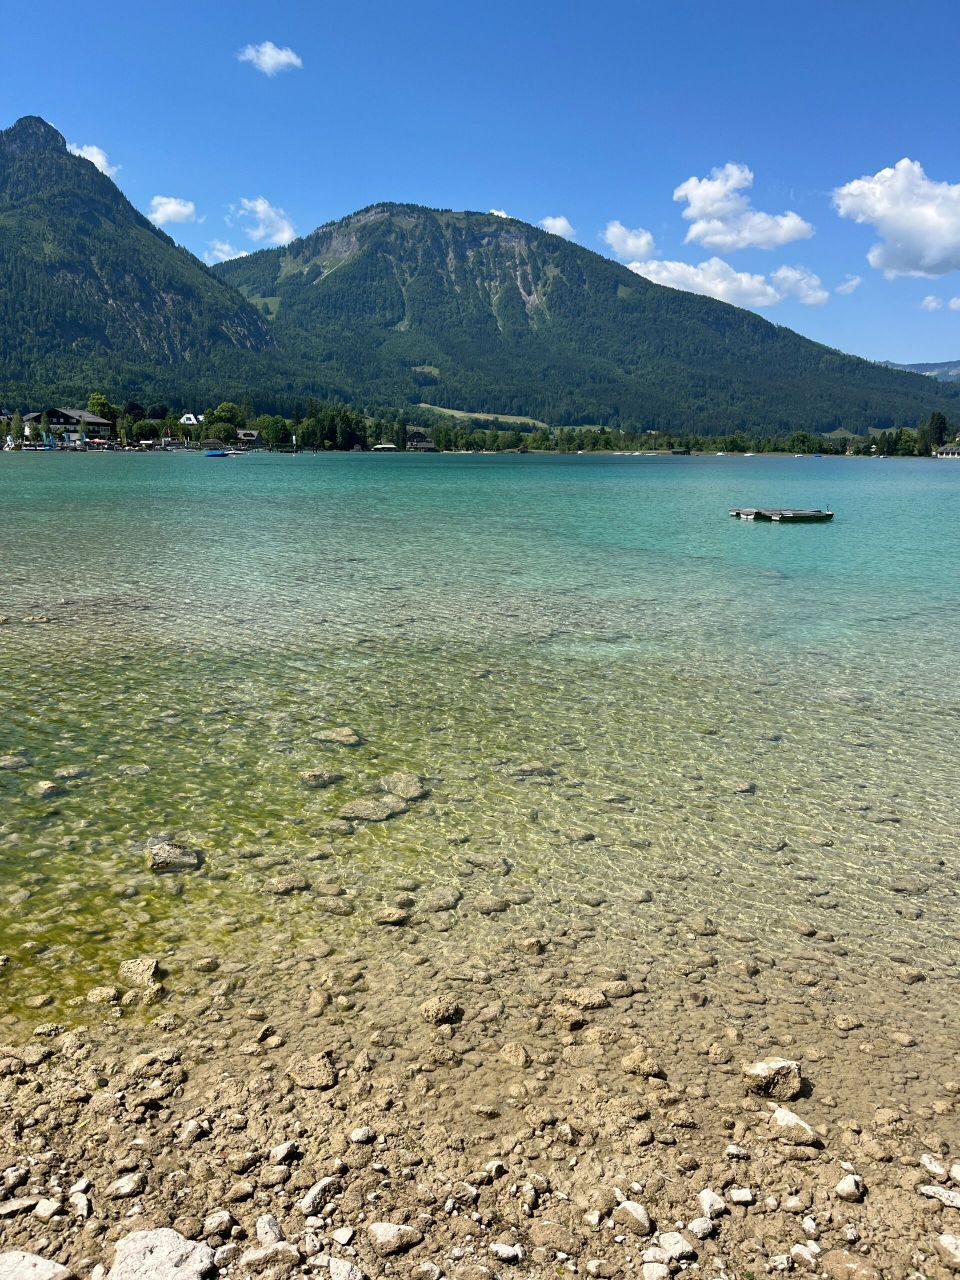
<point x="216" y="453"/>
<point x="782" y="515"/>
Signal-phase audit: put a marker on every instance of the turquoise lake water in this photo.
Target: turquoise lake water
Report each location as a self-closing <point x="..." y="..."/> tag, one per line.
<point x="707" y="690"/>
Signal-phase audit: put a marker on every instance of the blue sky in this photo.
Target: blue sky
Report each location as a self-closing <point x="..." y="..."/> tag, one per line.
<point x="751" y="150"/>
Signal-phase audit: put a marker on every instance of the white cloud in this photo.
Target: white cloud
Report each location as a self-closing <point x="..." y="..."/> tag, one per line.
<point x="722" y="217"/>
<point x="848" y="286"/>
<point x="96" y="155"/>
<point x="954" y="304"/>
<point x="930" y="303"/>
<point x="558" y="226"/>
<point x="500" y="213"/>
<point x="164" y="209"/>
<point x="222" y="251"/>
<point x="269" y="58"/>
<point x="800" y="283"/>
<point x="918" y="220"/>
<point x="628" y="244"/>
<point x="266" y="222"/>
<point x="715" y="278"/>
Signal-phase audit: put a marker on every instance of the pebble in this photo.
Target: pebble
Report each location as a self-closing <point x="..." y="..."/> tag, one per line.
<point x="851" y="1188"/>
<point x="131" y="1184"/>
<point x="172" y="857"/>
<point x="440" y="1009"/>
<point x="632" y="1215"/>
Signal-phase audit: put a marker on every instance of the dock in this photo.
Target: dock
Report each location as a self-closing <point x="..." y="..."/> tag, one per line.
<point x="782" y="515"/>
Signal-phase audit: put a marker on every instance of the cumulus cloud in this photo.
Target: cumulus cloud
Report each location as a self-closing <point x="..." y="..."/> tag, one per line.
<point x="265" y="222"/>
<point x="954" y="304"/>
<point x="848" y="286"/>
<point x="500" y="213"/>
<point x="164" y="209"/>
<point x="626" y="243"/>
<point x="558" y="226"/>
<point x="221" y="251"/>
<point x="722" y="217"/>
<point x="270" y="58"/>
<point x="96" y="155"/>
<point x="918" y="220"/>
<point x="930" y="303"/>
<point x="715" y="278"/>
<point x="800" y="283"/>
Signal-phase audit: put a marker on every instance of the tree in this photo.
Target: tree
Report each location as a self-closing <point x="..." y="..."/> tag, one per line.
<point x="227" y="414"/>
<point x="158" y="411"/>
<point x="135" y="412"/>
<point x="100" y="406"/>
<point x="16" y="428"/>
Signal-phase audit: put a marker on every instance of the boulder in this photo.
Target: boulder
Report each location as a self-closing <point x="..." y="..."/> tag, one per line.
<point x="948" y="1250"/>
<point x="775" y="1078"/>
<point x="139" y="973"/>
<point x="440" y="1009"/>
<point x="163" y="1254"/>
<point x="318" y="778"/>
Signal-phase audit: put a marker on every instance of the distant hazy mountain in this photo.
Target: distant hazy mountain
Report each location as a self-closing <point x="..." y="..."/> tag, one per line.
<point x="945" y="371"/>
<point x="393" y="305"/>
<point x="90" y="291"/>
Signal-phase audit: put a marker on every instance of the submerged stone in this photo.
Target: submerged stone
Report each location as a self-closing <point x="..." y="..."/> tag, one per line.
<point x="318" y="778"/>
<point x="409" y="786"/>
<point x="374" y="809"/>
<point x="173" y="857"/>
<point x="342" y="736"/>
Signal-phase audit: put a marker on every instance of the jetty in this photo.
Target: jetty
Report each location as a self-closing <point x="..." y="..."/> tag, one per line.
<point x="782" y="515"/>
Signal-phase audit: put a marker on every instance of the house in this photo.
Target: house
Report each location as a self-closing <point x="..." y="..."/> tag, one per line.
<point x="949" y="451"/>
<point x="72" y="424"/>
<point x="191" y="420"/>
<point x="417" y="442"/>
<point x="248" y="438"/>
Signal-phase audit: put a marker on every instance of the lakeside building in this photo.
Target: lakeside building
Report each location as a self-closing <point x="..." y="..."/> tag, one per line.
<point x="949" y="451"/>
<point x="73" y="425"/>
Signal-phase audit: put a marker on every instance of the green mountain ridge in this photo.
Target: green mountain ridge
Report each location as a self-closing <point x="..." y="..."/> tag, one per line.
<point x="393" y="306"/>
<point x="91" y="291"/>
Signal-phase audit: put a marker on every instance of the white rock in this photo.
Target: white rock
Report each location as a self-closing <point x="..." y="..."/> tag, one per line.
<point x="80" y="1204"/>
<point x="933" y="1166"/>
<point x="740" y="1195"/>
<point x="391" y="1237"/>
<point x="676" y="1246"/>
<point x="363" y="1135"/>
<point x="712" y="1204"/>
<point x="949" y="1198"/>
<point x="654" y="1271"/>
<point x="632" y="1215"/>
<point x="218" y="1223"/>
<point x="344" y="1269"/>
<point x="131" y="1184"/>
<point x="30" y="1266"/>
<point x="277" y="1258"/>
<point x="948" y="1247"/>
<point x="733" y="1151"/>
<point x="806" y="1255"/>
<point x="342" y="1235"/>
<point x="955" y="1173"/>
<point x="268" y="1229"/>
<point x="47" y="1209"/>
<point x="775" y="1078"/>
<point x="506" y="1252"/>
<point x="316" y="1196"/>
<point x="702" y="1228"/>
<point x="851" y="1187"/>
<point x="163" y="1254"/>
<point x="790" y="1129"/>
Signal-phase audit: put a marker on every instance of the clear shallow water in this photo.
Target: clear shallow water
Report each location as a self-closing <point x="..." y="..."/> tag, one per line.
<point x="752" y="721"/>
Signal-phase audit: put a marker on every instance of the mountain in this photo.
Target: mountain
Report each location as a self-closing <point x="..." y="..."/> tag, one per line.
<point x="91" y="293"/>
<point x="392" y="306"/>
<point x="946" y="370"/>
<point x="472" y="311"/>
